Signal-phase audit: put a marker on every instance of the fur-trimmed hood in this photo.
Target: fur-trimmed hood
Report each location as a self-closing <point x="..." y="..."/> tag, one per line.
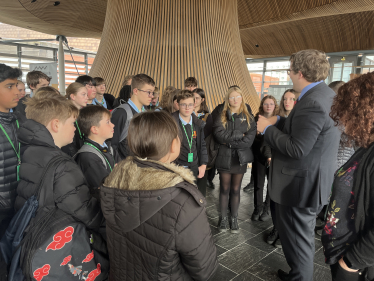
<point x="137" y="189"/>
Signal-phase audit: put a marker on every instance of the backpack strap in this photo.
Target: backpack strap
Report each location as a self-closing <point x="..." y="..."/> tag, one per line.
<point x="87" y="148"/>
<point x="129" y="114"/>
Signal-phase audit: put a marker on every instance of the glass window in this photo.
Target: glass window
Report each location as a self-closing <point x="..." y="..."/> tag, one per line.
<point x="255" y="66"/>
<point x="347" y="70"/>
<point x="278" y="65"/>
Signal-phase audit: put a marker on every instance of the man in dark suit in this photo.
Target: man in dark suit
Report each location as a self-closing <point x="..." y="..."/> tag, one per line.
<point x="304" y="161"/>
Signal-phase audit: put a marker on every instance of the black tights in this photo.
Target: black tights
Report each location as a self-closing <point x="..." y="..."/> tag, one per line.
<point x="230" y="185"/>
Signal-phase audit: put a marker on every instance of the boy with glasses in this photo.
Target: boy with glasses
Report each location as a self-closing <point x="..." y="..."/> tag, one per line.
<point x="193" y="154"/>
<point x="142" y="88"/>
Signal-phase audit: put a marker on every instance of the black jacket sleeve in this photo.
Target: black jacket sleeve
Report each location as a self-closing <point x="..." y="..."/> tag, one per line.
<point x="247" y="140"/>
<point x="195" y="244"/>
<point x="93" y="169"/>
<point x="224" y="136"/>
<point x="360" y="253"/>
<point x="119" y="118"/>
<point x="203" y="157"/>
<point x="71" y="194"/>
<point x="208" y="129"/>
<point x="304" y="134"/>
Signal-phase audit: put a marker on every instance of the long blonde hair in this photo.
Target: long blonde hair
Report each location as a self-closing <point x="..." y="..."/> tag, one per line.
<point x="243" y="107"/>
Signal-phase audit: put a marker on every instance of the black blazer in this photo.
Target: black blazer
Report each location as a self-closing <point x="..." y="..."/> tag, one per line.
<point x="304" y="151"/>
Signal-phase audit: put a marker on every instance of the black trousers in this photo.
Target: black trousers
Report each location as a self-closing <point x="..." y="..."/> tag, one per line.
<point x="201" y="183"/>
<point x="259" y="173"/>
<point x="296" y="232"/>
<point x="340" y="274"/>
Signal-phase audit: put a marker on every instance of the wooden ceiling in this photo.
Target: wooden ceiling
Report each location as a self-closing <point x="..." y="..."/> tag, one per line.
<point x="279" y="27"/>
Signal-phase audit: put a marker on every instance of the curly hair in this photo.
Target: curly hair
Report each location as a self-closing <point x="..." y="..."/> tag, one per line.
<point x="261" y="108"/>
<point x="353" y="110"/>
<point x="313" y="64"/>
<point x="165" y="97"/>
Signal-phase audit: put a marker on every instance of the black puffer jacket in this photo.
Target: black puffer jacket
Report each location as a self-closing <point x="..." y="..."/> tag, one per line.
<point x="157" y="227"/>
<point x="8" y="164"/>
<point x="231" y="137"/>
<point x="70" y="191"/>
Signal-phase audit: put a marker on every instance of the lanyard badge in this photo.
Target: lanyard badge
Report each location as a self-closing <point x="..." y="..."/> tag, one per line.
<point x="14" y="148"/>
<point x="190" y="155"/>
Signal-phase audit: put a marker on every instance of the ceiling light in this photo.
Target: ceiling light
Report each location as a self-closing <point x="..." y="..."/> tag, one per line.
<point x="360" y="54"/>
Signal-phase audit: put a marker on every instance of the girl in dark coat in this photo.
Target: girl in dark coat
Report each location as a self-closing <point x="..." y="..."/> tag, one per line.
<point x="262" y="154"/>
<point x="157" y="226"/>
<point x="348" y="236"/>
<point x="234" y="130"/>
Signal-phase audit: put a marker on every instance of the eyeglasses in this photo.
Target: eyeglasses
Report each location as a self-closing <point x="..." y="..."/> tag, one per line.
<point x="289" y="71"/>
<point x="237" y="97"/>
<point x="148" y="92"/>
<point x="184" y="105"/>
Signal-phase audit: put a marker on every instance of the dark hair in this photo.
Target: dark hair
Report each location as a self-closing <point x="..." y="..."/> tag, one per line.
<point x="203" y="106"/>
<point x="353" y="109"/>
<point x="139" y="80"/>
<point x="7" y="72"/>
<point x="312" y="64"/>
<point x="99" y="81"/>
<point x="336" y="85"/>
<point x="90" y="116"/>
<point x="151" y="134"/>
<point x="190" y="81"/>
<point x="86" y="80"/>
<point x="32" y="78"/>
<point x="185" y="94"/>
<point x="282" y="110"/>
<point x="234" y="86"/>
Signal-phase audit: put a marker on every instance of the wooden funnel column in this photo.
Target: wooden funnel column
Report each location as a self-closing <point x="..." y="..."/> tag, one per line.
<point x="171" y="40"/>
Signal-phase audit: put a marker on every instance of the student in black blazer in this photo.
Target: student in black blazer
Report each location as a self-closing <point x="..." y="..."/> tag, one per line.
<point x="304" y="161"/>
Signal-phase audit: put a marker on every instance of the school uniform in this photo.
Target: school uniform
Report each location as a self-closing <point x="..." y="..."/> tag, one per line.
<point x="193" y="151"/>
<point x="93" y="167"/>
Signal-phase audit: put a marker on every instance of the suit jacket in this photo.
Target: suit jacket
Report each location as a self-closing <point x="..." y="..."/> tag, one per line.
<point x="304" y="151"/>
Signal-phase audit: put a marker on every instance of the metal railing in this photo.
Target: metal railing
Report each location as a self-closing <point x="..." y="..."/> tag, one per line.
<point x="21" y="55"/>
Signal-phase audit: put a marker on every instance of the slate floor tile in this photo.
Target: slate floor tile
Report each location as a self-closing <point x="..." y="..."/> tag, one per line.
<point x="228" y="240"/>
<point x="223" y="274"/>
<point x="212" y="212"/>
<point x="241" y="257"/>
<point x="256" y="227"/>
<point x="220" y="250"/>
<point x="246" y="276"/>
<point x="259" y="241"/>
<point x="267" y="268"/>
<point x="319" y="258"/>
<point x="214" y="230"/>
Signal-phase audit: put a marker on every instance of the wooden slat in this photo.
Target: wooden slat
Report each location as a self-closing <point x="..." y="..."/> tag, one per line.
<point x="195" y="38"/>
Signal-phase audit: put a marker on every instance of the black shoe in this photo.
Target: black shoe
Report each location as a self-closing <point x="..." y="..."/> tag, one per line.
<point x="224" y="224"/>
<point x="234" y="225"/>
<point x="211" y="184"/>
<point x="256" y="214"/>
<point x="278" y="244"/>
<point x="265" y="213"/>
<point x="282" y="275"/>
<point x="273" y="236"/>
<point x="249" y="186"/>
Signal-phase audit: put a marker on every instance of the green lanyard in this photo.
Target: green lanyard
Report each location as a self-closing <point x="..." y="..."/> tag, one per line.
<point x="110" y="167"/>
<point x="79" y="130"/>
<point x="232" y="116"/>
<point x="189" y="142"/>
<point x="19" y="148"/>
